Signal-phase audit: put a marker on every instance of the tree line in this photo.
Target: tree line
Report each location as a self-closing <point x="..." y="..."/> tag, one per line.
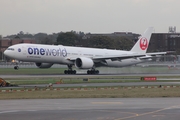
<point x="74" y="38"/>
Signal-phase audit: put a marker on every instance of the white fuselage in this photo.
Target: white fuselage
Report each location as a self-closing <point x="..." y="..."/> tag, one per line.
<point x="59" y="54"/>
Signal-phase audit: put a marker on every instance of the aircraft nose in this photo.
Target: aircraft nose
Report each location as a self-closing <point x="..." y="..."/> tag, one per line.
<point x="6" y="52"/>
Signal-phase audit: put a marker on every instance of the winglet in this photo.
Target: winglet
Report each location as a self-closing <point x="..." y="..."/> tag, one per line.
<point x="142" y="44"/>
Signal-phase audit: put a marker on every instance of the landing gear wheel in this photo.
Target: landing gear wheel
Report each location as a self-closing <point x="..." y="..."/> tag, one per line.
<point x="70" y="72"/>
<point x="65" y="72"/>
<point x="16" y="67"/>
<point x="93" y="72"/>
<point x="74" y="71"/>
<point x="96" y="71"/>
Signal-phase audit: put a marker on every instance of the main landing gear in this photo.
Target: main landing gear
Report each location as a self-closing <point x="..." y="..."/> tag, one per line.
<point x="70" y="71"/>
<point x="93" y="71"/>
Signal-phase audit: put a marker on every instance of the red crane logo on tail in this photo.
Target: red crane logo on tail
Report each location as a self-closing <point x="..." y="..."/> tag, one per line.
<point x="143" y="43"/>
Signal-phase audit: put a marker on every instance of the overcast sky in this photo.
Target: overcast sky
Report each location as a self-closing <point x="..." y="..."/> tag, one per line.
<point x="95" y="16"/>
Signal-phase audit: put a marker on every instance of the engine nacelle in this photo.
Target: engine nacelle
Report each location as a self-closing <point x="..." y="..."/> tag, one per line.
<point x="44" y="65"/>
<point x="84" y="63"/>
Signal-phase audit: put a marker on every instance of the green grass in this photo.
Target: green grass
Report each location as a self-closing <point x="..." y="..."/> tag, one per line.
<point x="21" y="71"/>
<point x="27" y="81"/>
<point x="79" y="79"/>
<point x="31" y="71"/>
<point x="96" y="93"/>
<point x="107" y="93"/>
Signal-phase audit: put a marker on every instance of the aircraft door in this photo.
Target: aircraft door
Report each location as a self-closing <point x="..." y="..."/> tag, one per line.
<point x="24" y="51"/>
<point x="79" y="53"/>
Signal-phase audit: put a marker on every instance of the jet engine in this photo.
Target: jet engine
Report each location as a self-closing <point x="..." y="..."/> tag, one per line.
<point x="84" y="63"/>
<point x="44" y="65"/>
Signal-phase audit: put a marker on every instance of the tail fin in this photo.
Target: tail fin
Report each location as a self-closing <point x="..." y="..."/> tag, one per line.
<point x="142" y="44"/>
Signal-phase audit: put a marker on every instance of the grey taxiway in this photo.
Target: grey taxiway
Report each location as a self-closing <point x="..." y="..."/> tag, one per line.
<point x="91" y="109"/>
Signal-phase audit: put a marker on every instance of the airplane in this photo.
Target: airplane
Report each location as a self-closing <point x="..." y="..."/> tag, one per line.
<point x="45" y="56"/>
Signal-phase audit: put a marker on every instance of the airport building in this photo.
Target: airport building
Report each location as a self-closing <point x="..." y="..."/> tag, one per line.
<point x="165" y="42"/>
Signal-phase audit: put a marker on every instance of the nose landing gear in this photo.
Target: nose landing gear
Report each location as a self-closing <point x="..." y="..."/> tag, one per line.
<point x="16" y="67"/>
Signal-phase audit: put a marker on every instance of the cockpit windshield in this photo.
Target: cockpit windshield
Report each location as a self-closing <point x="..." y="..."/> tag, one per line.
<point x="10" y="49"/>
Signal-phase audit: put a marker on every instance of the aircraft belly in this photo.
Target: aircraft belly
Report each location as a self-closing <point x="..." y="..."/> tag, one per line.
<point x="122" y="63"/>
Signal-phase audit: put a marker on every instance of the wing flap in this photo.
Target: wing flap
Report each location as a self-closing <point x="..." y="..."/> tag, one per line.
<point x="161" y="53"/>
<point x="113" y="58"/>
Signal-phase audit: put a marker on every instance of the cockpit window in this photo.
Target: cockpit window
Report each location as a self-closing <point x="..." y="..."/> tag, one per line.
<point x="10" y="49"/>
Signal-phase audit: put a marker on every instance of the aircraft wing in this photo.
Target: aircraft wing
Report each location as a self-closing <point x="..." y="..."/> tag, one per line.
<point x="160" y="53"/>
<point x="121" y="57"/>
<point x="145" y="57"/>
<point x="150" y="55"/>
<point x="113" y="58"/>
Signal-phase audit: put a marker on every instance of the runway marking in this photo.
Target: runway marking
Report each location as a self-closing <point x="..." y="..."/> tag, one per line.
<point x="158" y="115"/>
<point x="112" y="111"/>
<point x="106" y="103"/>
<point x="148" y="113"/>
<point x="118" y="112"/>
<point x="2" y="112"/>
<point x="14" y="111"/>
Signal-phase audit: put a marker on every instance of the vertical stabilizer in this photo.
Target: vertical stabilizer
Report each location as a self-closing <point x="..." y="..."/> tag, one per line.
<point x="142" y="44"/>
